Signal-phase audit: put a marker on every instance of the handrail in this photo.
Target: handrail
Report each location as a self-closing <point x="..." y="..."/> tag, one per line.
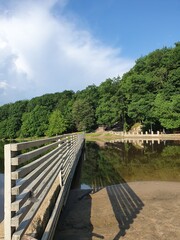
<point x="30" y="170"/>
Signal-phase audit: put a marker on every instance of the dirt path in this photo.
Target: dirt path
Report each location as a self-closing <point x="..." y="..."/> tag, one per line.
<point x="139" y="210"/>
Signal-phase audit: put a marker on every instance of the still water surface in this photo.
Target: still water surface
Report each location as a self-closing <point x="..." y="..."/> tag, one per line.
<point x="113" y="163"/>
<point x="117" y="162"/>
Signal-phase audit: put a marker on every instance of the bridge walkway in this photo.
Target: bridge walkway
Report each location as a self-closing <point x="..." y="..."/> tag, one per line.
<point x="31" y="169"/>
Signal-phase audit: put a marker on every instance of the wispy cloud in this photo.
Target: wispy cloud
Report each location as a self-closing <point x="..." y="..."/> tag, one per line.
<point x="41" y="52"/>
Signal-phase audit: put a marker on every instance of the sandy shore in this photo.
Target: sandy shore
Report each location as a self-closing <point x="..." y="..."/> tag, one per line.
<point x="106" y="136"/>
<point x="138" y="210"/>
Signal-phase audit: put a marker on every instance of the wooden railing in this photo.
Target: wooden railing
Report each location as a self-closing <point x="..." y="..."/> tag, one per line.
<point x="30" y="171"/>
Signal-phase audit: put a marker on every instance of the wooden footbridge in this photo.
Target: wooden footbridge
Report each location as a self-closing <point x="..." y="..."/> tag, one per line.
<point x="31" y="169"/>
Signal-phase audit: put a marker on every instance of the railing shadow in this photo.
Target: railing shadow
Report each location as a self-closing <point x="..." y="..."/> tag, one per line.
<point x="126" y="205"/>
<point x="75" y="220"/>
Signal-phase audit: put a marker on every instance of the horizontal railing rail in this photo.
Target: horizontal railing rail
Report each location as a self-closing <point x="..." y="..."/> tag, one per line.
<point x="31" y="168"/>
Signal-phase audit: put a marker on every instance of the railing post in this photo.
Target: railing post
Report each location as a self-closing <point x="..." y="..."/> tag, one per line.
<point x="8" y="198"/>
<point x="60" y="172"/>
<point x="60" y="179"/>
<point x="59" y="141"/>
<point x="69" y="147"/>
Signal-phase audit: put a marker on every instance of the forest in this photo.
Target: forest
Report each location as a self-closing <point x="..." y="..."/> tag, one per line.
<point x="148" y="94"/>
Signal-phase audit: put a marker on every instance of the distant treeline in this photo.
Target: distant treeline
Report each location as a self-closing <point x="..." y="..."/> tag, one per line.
<point x="149" y="93"/>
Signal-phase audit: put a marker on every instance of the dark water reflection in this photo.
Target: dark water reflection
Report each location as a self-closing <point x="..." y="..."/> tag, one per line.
<point x="119" y="162"/>
<point x="114" y="163"/>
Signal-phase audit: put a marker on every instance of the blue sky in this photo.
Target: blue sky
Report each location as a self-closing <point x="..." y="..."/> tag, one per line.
<point x="49" y="46"/>
<point x="136" y="26"/>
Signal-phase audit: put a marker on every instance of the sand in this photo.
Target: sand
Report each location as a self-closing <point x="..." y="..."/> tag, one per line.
<point x="138" y="210"/>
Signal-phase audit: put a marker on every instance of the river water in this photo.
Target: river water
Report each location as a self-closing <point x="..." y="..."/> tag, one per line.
<point x="112" y="163"/>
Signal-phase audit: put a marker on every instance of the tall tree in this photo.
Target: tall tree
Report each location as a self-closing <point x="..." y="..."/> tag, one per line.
<point x="109" y="106"/>
<point x="168" y="111"/>
<point x="83" y="115"/>
<point x="57" y="123"/>
<point x="35" y="123"/>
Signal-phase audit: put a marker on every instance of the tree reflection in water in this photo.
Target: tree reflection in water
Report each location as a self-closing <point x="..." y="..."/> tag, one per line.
<point x="110" y="164"/>
<point x="114" y="164"/>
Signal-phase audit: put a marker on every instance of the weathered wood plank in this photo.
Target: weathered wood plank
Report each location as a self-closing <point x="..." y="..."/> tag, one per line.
<point x="23" y="171"/>
<point x="23" y="158"/>
<point x="20" y="200"/>
<point x="25" y="223"/>
<point x="34" y="180"/>
<point x="27" y="206"/>
<point x="37" y="175"/>
<point x="51" y="226"/>
<point x="23" y="197"/>
<point x="7" y="194"/>
<point x="36" y="143"/>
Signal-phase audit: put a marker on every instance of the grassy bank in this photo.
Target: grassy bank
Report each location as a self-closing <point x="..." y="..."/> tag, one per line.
<point x="101" y="136"/>
<point x="104" y="137"/>
<point x="108" y="136"/>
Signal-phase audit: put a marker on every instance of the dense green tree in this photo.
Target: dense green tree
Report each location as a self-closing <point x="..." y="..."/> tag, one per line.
<point x="139" y="95"/>
<point x="4" y="112"/>
<point x="11" y="119"/>
<point x="108" y="87"/>
<point x="48" y="100"/>
<point x="64" y="98"/>
<point x="83" y="115"/>
<point x="109" y="106"/>
<point x="13" y="125"/>
<point x="3" y="128"/>
<point x="154" y="74"/>
<point x="168" y="111"/>
<point x="35" y="123"/>
<point x="91" y="94"/>
<point x="57" y="124"/>
<point x="108" y="112"/>
<point x="65" y="103"/>
<point x="148" y="93"/>
<point x="68" y="116"/>
<point x="14" y="121"/>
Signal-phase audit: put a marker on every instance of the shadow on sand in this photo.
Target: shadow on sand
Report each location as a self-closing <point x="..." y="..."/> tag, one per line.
<point x="75" y="220"/>
<point x="126" y="205"/>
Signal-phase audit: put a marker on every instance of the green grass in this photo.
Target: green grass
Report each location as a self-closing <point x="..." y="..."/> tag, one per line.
<point x="101" y="136"/>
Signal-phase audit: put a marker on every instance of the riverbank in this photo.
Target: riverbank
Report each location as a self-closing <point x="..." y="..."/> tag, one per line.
<point x="105" y="136"/>
<point x="137" y="210"/>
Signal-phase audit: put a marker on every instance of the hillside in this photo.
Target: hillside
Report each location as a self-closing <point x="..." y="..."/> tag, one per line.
<point x="149" y="94"/>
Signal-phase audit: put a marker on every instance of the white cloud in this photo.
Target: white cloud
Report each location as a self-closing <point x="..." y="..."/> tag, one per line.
<point x="42" y="53"/>
<point x="3" y="85"/>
